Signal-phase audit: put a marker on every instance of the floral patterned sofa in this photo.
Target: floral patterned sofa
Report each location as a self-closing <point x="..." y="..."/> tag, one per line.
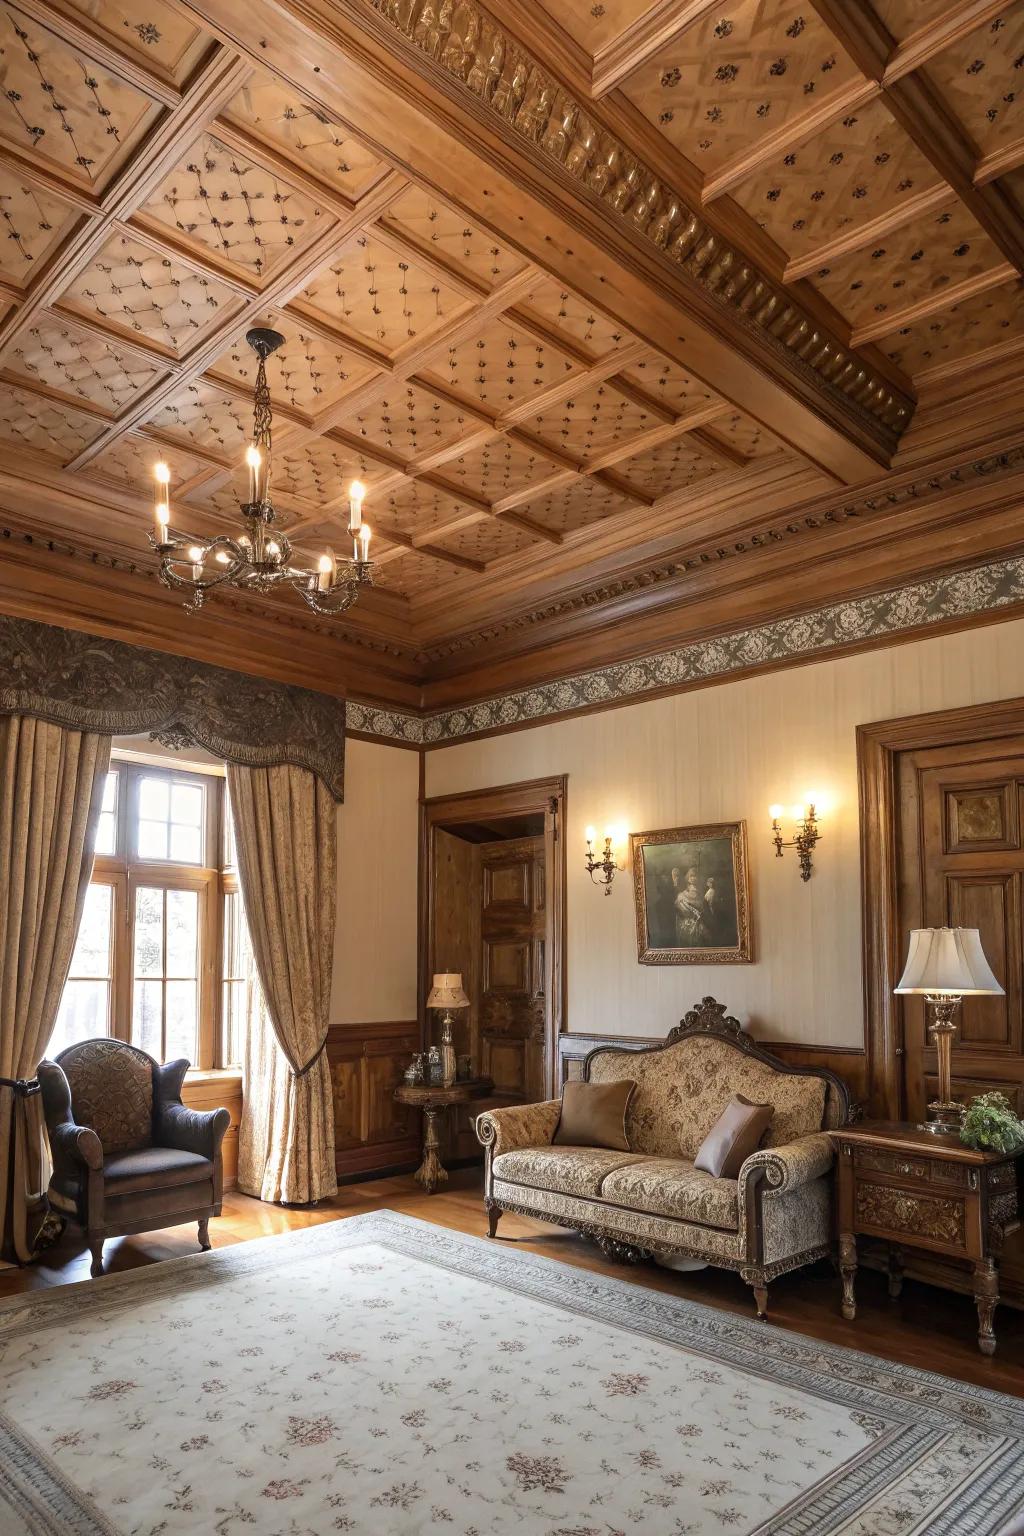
<point x="652" y="1200"/>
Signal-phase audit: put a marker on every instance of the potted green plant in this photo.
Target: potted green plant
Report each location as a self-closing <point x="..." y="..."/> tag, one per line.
<point x="990" y="1124"/>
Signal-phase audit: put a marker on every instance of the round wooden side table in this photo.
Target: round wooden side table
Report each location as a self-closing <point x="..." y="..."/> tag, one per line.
<point x="433" y="1100"/>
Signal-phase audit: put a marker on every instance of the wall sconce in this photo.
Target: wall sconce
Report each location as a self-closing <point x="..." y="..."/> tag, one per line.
<point x="612" y="858"/>
<point x="805" y="837"/>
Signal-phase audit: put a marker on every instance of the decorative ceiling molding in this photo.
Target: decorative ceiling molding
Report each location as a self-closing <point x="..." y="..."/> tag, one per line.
<point x="900" y="611"/>
<point x="470" y="46"/>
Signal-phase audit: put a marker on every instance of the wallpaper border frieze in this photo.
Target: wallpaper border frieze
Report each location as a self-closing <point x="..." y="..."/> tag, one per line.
<point x="916" y="606"/>
<point x="89" y="683"/>
<point x="467" y="43"/>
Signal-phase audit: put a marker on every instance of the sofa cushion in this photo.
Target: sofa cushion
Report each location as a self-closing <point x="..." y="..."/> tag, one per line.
<point x="153" y="1168"/>
<point x="682" y="1090"/>
<point x="735" y="1134"/>
<point x="594" y="1115"/>
<point x="566" y="1170"/>
<point x="668" y="1186"/>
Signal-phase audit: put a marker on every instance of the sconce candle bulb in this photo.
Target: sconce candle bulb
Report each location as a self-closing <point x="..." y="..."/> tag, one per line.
<point x="609" y="861"/>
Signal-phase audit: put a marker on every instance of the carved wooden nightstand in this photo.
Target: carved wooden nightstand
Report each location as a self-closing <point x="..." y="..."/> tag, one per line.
<point x="918" y="1190"/>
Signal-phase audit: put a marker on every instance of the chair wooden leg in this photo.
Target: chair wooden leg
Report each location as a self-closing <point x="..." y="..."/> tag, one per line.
<point x="96" y="1249"/>
<point x="204" y="1234"/>
<point x="493" y="1216"/>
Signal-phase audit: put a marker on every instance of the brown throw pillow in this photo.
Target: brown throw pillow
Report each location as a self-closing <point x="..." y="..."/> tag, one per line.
<point x="734" y="1135"/>
<point x="594" y="1115"/>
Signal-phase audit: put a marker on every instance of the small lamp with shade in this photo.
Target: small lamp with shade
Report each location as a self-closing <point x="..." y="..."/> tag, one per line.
<point x="447" y="992"/>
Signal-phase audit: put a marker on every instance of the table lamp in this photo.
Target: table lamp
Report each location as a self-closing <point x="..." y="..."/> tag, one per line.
<point x="945" y="965"/>
<point x="447" y="993"/>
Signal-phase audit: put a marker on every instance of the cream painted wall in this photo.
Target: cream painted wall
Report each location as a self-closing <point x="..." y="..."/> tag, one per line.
<point x="378" y="844"/>
<point x="721" y="754"/>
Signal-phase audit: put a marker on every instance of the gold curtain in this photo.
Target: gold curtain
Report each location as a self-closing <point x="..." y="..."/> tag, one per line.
<point x="286" y="836"/>
<point x="51" y="789"/>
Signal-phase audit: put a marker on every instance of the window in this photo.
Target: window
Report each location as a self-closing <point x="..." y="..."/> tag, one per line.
<point x="163" y="921"/>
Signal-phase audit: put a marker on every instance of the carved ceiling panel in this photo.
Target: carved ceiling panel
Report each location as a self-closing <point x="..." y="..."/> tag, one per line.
<point x="485" y="541"/>
<point x="674" y="465"/>
<point x="501" y="367"/>
<point x="311" y="372"/>
<point x="273" y="112"/>
<point x="382" y="296"/>
<point x="208" y="418"/>
<point x="738" y="74"/>
<point x="217" y="200"/>
<point x="988" y="319"/>
<point x="592" y="421"/>
<point x="32" y="224"/>
<point x="905" y="17"/>
<point x="56" y="431"/>
<point x="581" y="322"/>
<point x="132" y="459"/>
<point x="408" y="422"/>
<point x="440" y="228"/>
<point x="165" y="39"/>
<point x="676" y="391"/>
<point x="148" y="295"/>
<point x="745" y="435"/>
<point x="594" y="26"/>
<point x="579" y="504"/>
<point x="63" y="109"/>
<point x="321" y="470"/>
<point x="940" y="250"/>
<point x="63" y="357"/>
<point x="498" y="469"/>
<point x="417" y="508"/>
<point x="982" y="78"/>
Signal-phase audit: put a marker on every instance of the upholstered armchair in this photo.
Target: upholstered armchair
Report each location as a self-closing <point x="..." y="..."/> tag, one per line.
<point x="128" y="1155"/>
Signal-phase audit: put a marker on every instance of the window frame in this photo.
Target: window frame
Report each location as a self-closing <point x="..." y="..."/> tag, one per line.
<point x="126" y="872"/>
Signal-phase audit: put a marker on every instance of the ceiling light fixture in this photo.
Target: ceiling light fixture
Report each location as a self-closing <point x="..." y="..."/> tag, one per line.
<point x="258" y="560"/>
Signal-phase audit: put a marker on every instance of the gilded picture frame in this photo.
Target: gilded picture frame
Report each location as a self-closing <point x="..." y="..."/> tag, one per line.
<point x="691" y="887"/>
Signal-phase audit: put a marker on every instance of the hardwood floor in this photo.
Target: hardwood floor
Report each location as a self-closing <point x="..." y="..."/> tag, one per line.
<point x="924" y="1327"/>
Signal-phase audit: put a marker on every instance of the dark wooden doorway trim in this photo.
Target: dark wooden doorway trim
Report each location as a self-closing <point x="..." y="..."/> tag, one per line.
<point x="877" y="748"/>
<point x="532" y="797"/>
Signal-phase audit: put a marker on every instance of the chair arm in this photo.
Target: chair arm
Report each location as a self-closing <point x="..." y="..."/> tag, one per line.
<point x="73" y="1147"/>
<point x="798" y="1162"/>
<point x="522" y="1125"/>
<point x="175" y="1125"/>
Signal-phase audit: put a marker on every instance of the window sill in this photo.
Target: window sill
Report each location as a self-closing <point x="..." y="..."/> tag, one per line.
<point x="225" y="1075"/>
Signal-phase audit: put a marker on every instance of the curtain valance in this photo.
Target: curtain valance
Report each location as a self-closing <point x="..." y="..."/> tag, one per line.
<point x="90" y="684"/>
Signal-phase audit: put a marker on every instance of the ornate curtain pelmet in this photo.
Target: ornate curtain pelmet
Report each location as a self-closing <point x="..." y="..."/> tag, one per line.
<point x="91" y="684"/>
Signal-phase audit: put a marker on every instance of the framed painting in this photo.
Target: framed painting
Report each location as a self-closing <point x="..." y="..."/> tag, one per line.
<point x="692" y="895"/>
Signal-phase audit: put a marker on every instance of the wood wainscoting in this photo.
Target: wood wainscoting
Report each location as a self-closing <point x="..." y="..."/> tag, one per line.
<point x="371" y="1132"/>
<point x="211" y="1090"/>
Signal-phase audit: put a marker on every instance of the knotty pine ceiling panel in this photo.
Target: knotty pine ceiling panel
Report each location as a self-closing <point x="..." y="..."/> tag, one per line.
<point x="56" y="431"/>
<point x="381" y="296"/>
<point x="77" y="362"/>
<point x="591" y="422"/>
<point x="454" y="237"/>
<point x="321" y="471"/>
<point x="163" y="38"/>
<point x="208" y="418"/>
<point x="63" y="109"/>
<point x="500" y="368"/>
<point x="217" y="200"/>
<point x="408" y="422"/>
<point x="672" y="466"/>
<point x="307" y="373"/>
<point x="131" y="461"/>
<point x="578" y="320"/>
<point x="578" y="504"/>
<point x="981" y="78"/>
<point x="272" y="111"/>
<point x="32" y="225"/>
<point x="153" y="297"/>
<point x="857" y="168"/>
<point x="674" y="389"/>
<point x="737" y="74"/>
<point x="907" y="265"/>
<point x="987" y="320"/>
<point x="497" y="469"/>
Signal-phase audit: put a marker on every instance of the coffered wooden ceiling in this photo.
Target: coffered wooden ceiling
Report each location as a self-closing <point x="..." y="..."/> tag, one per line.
<point x="572" y="287"/>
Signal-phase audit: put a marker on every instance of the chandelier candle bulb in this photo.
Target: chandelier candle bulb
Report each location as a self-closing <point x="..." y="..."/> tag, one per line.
<point x="162" y="510"/>
<point x="325" y="579"/>
<point x="364" y="543"/>
<point x="356" y="493"/>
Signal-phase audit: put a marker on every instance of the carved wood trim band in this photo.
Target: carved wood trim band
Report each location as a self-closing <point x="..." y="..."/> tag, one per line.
<point x="469" y="45"/>
<point x="91" y="684"/>
<point x="917" y="1215"/>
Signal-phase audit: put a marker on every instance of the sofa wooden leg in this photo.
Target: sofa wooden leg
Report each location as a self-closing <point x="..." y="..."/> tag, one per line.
<point x="96" y="1249"/>
<point x="204" y="1234"/>
<point x="761" y="1298"/>
<point x="493" y="1216"/>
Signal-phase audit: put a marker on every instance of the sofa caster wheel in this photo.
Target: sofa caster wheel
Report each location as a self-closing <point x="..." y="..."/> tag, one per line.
<point x="96" y="1268"/>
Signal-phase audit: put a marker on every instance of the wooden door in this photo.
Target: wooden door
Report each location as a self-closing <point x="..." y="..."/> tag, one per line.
<point x="961" y="865"/>
<point x="512" y="1011"/>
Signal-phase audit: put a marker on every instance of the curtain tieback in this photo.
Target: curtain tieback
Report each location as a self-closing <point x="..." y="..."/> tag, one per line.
<point x="25" y="1087"/>
<point x="310" y="1064"/>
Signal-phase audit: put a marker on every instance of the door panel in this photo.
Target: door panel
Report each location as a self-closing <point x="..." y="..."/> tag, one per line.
<point x="991" y="904"/>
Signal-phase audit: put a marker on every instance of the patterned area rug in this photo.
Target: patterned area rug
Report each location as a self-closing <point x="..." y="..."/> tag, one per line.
<point x="384" y="1376"/>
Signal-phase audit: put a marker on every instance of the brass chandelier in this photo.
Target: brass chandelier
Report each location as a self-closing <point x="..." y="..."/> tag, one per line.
<point x="258" y="560"/>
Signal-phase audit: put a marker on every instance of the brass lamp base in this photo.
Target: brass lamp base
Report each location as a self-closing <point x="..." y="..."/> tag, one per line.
<point x="944" y="1116"/>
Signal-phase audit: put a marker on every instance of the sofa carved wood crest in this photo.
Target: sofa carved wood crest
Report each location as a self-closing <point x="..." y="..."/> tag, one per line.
<point x="652" y="1201"/>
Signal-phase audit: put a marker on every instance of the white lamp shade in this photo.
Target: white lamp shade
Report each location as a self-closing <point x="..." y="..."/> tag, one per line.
<point x="447" y="992"/>
<point x="947" y="960"/>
